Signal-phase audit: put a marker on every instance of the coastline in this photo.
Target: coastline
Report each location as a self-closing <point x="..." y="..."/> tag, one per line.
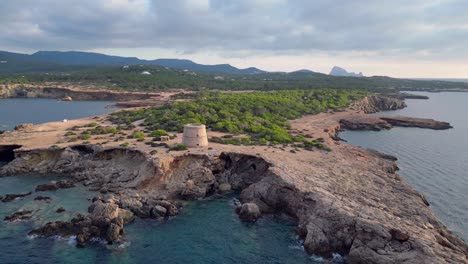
<point x="349" y="200"/>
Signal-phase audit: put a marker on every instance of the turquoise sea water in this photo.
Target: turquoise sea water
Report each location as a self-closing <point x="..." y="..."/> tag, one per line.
<point x="18" y="110"/>
<point x="206" y="231"/>
<point x="433" y="162"/>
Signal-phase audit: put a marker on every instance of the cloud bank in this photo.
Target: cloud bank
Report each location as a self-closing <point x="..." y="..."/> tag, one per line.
<point x="420" y="29"/>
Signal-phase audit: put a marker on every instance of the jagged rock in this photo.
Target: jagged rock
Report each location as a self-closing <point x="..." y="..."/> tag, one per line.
<point x="249" y="212"/>
<point x="20" y="215"/>
<point x="376" y="103"/>
<point x="113" y="233"/>
<point x="60" y="210"/>
<point x="105" y="210"/>
<point x="105" y="220"/>
<point x="11" y="197"/>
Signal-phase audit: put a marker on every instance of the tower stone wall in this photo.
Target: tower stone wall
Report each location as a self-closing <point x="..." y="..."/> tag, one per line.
<point x="195" y="136"/>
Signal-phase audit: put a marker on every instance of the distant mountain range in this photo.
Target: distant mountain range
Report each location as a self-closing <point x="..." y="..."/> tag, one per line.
<point x="49" y="60"/>
<point x="338" y="71"/>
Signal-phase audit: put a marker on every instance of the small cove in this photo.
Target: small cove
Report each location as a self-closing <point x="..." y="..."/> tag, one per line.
<point x="206" y="231"/>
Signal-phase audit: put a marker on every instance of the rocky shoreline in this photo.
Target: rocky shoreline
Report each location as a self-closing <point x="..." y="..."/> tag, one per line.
<point x="348" y="201"/>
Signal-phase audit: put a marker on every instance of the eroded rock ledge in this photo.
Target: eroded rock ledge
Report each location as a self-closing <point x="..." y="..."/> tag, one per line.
<point x="395" y="227"/>
<point x="377" y="123"/>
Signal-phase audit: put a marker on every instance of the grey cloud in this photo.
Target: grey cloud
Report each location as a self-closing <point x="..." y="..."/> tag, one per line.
<point x="277" y="26"/>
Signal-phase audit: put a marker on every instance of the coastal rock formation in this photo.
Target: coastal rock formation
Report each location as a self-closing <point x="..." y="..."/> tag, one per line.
<point x="105" y="221"/>
<point x="61" y="92"/>
<point x="403" y="121"/>
<point x="376" y="103"/>
<point x="11" y="197"/>
<point x="377" y="123"/>
<point x="18" y="216"/>
<point x="373" y="217"/>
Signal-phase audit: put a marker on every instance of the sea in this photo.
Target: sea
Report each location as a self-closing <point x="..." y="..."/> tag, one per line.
<point x="434" y="162"/>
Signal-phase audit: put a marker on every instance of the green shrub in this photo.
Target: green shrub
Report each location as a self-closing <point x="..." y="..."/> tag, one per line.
<point x="158" y="133"/>
<point x="94" y="124"/>
<point x="138" y="135"/>
<point x="178" y="147"/>
<point x="124" y="144"/>
<point x="85" y="137"/>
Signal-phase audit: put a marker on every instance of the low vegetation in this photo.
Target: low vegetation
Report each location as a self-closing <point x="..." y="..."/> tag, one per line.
<point x="262" y="116"/>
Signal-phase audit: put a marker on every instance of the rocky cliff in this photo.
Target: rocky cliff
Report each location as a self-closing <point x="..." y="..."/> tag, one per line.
<point x="376" y="103"/>
<point x="54" y="92"/>
<point x="369" y="215"/>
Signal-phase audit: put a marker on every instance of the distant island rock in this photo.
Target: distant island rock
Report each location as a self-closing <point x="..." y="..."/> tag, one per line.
<point x="338" y="71"/>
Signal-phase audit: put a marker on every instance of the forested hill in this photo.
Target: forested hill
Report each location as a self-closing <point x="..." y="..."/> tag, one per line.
<point x="21" y="68"/>
<point x="22" y="62"/>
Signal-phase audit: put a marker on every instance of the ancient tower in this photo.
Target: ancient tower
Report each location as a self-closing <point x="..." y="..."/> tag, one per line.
<point x="195" y="136"/>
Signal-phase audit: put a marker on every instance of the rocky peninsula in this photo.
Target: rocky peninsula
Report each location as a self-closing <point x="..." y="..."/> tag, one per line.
<point x="347" y="200"/>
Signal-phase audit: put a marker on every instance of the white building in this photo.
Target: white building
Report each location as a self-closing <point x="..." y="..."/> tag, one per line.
<point x="146" y="73"/>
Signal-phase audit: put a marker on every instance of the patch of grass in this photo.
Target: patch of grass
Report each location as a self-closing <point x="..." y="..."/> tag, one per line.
<point x="124" y="144"/>
<point x="178" y="147"/>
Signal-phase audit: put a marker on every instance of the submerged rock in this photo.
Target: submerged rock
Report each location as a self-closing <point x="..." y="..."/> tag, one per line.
<point x="11" y="197"/>
<point x="42" y="198"/>
<point x="60" y="210"/>
<point x="20" y="215"/>
<point x="55" y="185"/>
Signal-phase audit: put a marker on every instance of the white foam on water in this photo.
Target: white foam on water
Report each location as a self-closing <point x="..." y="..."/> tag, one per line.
<point x="72" y="241"/>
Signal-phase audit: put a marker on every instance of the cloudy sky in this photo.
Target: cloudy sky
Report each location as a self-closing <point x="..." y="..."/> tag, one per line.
<point x="401" y="38"/>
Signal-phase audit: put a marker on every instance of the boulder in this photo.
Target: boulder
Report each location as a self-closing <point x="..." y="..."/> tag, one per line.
<point x="224" y="187"/>
<point x="249" y="212"/>
<point x="51" y="186"/>
<point x="158" y="211"/>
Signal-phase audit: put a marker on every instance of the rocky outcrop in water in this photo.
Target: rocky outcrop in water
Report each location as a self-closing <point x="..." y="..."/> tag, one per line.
<point x="19" y="216"/>
<point x="55" y="185"/>
<point x="12" y="197"/>
<point x="377" y="123"/>
<point x="404" y="121"/>
<point x="104" y="221"/>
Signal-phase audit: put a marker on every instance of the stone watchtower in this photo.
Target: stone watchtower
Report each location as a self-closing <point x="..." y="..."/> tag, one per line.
<point x="195" y="136"/>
